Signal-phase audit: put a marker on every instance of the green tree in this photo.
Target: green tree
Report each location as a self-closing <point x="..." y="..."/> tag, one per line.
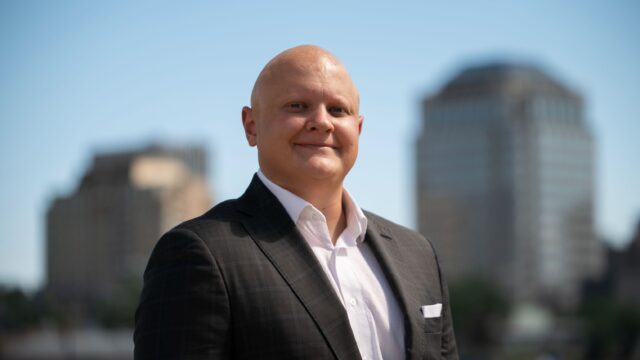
<point x="478" y="308"/>
<point x="613" y="327"/>
<point x="19" y="310"/>
<point x="119" y="311"/>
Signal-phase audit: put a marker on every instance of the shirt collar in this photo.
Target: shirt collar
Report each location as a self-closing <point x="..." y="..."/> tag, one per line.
<point x="356" y="221"/>
<point x="295" y="205"/>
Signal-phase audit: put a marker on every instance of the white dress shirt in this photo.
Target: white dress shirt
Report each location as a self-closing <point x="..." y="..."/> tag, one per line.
<point x="354" y="273"/>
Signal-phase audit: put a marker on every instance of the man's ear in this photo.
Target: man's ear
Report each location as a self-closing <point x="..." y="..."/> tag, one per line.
<point x="360" y="121"/>
<point x="249" y="124"/>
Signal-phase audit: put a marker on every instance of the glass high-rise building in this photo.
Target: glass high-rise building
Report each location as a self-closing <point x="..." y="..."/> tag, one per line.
<point x="505" y="182"/>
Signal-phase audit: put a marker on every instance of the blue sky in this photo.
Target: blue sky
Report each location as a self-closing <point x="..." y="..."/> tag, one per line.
<point x="83" y="76"/>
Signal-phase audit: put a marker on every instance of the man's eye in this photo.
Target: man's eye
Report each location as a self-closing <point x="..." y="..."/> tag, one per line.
<point x="296" y="106"/>
<point x="337" y="110"/>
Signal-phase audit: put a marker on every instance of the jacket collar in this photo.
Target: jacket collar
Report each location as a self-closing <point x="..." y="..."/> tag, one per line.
<point x="391" y="256"/>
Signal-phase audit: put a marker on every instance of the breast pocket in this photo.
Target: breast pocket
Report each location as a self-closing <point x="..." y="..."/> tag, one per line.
<point x="433" y="325"/>
<point x="432" y="338"/>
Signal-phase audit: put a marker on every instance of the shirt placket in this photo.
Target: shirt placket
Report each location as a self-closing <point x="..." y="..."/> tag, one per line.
<point x="353" y="300"/>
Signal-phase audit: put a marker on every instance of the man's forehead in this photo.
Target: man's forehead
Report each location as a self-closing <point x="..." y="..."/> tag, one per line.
<point x="303" y="69"/>
<point x="304" y="84"/>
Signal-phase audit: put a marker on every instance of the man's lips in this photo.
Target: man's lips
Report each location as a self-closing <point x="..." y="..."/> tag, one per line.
<point x="316" y="145"/>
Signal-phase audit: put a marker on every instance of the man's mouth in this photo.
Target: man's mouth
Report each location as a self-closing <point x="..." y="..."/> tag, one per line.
<point x="316" y="145"/>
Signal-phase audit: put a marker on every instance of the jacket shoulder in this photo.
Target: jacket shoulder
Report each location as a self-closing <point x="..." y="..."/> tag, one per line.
<point x="226" y="211"/>
<point x="218" y="223"/>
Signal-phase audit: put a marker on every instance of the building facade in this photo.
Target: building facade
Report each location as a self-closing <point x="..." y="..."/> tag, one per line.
<point x="505" y="182"/>
<point x="100" y="237"/>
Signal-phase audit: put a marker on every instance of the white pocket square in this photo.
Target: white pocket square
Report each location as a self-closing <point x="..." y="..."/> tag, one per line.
<point x="431" y="311"/>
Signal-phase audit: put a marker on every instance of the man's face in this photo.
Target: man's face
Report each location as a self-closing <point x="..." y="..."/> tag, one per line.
<point x="305" y="123"/>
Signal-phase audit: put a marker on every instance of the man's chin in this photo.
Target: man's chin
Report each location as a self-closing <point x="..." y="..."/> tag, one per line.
<point x="320" y="170"/>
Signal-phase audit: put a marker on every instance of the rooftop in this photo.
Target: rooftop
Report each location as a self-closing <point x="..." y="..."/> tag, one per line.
<point x="503" y="77"/>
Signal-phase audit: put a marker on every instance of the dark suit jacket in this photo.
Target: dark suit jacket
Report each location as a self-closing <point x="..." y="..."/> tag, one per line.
<point x="241" y="282"/>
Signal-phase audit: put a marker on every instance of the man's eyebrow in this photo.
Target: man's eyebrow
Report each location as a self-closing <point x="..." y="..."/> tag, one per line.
<point x="348" y="102"/>
<point x="289" y="97"/>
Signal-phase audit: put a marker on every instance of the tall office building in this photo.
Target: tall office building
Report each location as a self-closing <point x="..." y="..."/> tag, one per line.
<point x="505" y="182"/>
<point x="99" y="238"/>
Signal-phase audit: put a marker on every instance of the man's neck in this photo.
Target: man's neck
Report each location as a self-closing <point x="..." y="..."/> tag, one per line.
<point x="331" y="206"/>
<point x="325" y="196"/>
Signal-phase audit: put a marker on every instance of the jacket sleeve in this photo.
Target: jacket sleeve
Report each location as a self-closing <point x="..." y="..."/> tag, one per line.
<point x="449" y="349"/>
<point x="184" y="307"/>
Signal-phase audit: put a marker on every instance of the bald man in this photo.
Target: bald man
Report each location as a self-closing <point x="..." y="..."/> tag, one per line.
<point x="294" y="269"/>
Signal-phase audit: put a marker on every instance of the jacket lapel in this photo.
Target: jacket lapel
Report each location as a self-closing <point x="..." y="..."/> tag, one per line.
<point x="277" y="236"/>
<point x="391" y="258"/>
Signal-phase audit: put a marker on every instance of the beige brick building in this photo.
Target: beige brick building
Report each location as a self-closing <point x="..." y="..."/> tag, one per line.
<point x="100" y="236"/>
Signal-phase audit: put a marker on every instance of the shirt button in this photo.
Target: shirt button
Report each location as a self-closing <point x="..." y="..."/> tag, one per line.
<point x="353" y="302"/>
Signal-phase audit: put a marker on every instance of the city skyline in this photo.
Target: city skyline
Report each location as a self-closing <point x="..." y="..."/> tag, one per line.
<point x="82" y="77"/>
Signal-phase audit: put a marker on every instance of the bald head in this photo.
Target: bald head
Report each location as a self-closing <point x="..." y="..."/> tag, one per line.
<point x="304" y="120"/>
<point x="299" y="61"/>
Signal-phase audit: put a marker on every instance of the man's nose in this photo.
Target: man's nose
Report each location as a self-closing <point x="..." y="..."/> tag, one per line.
<point x="320" y="120"/>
